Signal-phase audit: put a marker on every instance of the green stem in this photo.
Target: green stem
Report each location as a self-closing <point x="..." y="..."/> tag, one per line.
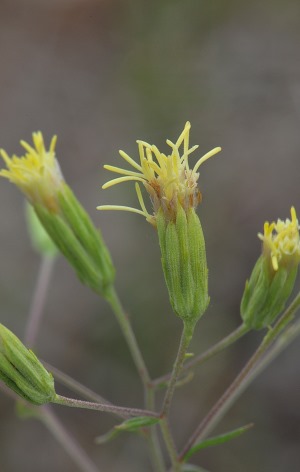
<point x="38" y="301"/>
<point x="226" y="400"/>
<point x="201" y="358"/>
<point x="185" y="340"/>
<point x="171" y="448"/>
<point x="129" y="336"/>
<point x="137" y="357"/>
<point x="286" y="338"/>
<point x="77" y="387"/>
<point x="71" y="402"/>
<point x="46" y="416"/>
<point x="156" y="453"/>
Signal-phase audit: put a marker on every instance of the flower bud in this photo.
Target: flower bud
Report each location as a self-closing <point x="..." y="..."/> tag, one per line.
<point x="38" y="176"/>
<point x="21" y="370"/>
<point x="274" y="274"/>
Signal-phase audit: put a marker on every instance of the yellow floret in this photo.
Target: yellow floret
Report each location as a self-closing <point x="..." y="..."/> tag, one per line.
<point x="167" y="178"/>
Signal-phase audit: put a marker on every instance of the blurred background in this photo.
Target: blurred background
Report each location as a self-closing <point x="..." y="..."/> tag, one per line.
<point x="101" y="74"/>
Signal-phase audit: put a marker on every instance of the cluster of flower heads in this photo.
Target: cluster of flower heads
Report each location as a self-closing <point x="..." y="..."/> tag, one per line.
<point x="37" y="173"/>
<point x="168" y="179"/>
<point x="281" y="241"/>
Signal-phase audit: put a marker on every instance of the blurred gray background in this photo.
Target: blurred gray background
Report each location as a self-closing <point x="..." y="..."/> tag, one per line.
<point x="102" y="74"/>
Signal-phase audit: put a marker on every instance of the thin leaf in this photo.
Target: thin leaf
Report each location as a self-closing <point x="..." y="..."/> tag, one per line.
<point x="133" y="424"/>
<point x="104" y="438"/>
<point x="217" y="440"/>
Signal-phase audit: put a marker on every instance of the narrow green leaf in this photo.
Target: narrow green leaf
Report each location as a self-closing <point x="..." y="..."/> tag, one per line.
<point x="133" y="424"/>
<point x="217" y="440"/>
<point x="104" y="438"/>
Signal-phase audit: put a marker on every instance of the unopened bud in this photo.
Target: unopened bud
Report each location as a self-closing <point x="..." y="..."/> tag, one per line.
<point x="21" y="370"/>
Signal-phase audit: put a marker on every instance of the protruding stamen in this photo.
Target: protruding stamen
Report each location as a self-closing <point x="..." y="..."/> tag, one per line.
<point x="118" y="170"/>
<point x="30" y="149"/>
<point x="120" y="207"/>
<point x="205" y="157"/>
<point x="121" y="179"/>
<point x="141" y="200"/>
<point x="186" y="129"/>
<point x="53" y="143"/>
<point x="130" y="160"/>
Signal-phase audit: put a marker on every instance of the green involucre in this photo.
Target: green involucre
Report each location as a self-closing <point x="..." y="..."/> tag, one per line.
<point x="183" y="258"/>
<point x="79" y="241"/>
<point x="266" y="293"/>
<point x="21" y="370"/>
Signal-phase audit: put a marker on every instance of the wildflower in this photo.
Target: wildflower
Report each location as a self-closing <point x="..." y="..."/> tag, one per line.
<point x="273" y="277"/>
<point x="38" y="176"/>
<point x="281" y="242"/>
<point x="37" y="173"/>
<point x="168" y="179"/>
<point x="21" y="370"/>
<point x="173" y="189"/>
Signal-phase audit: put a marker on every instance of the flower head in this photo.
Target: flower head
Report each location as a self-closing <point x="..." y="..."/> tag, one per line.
<point x="281" y="241"/>
<point x="168" y="179"/>
<point x="274" y="274"/>
<point x="36" y="173"/>
<point x="38" y="176"/>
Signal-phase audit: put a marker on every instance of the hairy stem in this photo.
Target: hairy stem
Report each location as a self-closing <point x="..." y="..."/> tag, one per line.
<point x="201" y="358"/>
<point x="226" y="400"/>
<point x="65" y="401"/>
<point x="184" y="343"/>
<point x="77" y="387"/>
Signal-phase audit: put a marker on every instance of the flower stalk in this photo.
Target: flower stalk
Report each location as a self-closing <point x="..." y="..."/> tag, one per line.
<point x="108" y="408"/>
<point x="226" y="400"/>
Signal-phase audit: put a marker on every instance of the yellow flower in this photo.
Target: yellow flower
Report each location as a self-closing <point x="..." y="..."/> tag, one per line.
<point x="168" y="179"/>
<point x="281" y="241"/>
<point x="36" y="173"/>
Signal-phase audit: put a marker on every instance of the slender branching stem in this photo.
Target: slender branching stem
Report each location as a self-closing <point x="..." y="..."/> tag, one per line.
<point x="74" y="403"/>
<point x="283" y="340"/>
<point x="156" y="453"/>
<point x="169" y="442"/>
<point x="78" y="388"/>
<point x="186" y="337"/>
<point x="38" y="300"/>
<point x="49" y="419"/>
<point x="129" y="336"/>
<point x="201" y="358"/>
<point x="226" y="400"/>
<point x="184" y="343"/>
<point x="138" y="359"/>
